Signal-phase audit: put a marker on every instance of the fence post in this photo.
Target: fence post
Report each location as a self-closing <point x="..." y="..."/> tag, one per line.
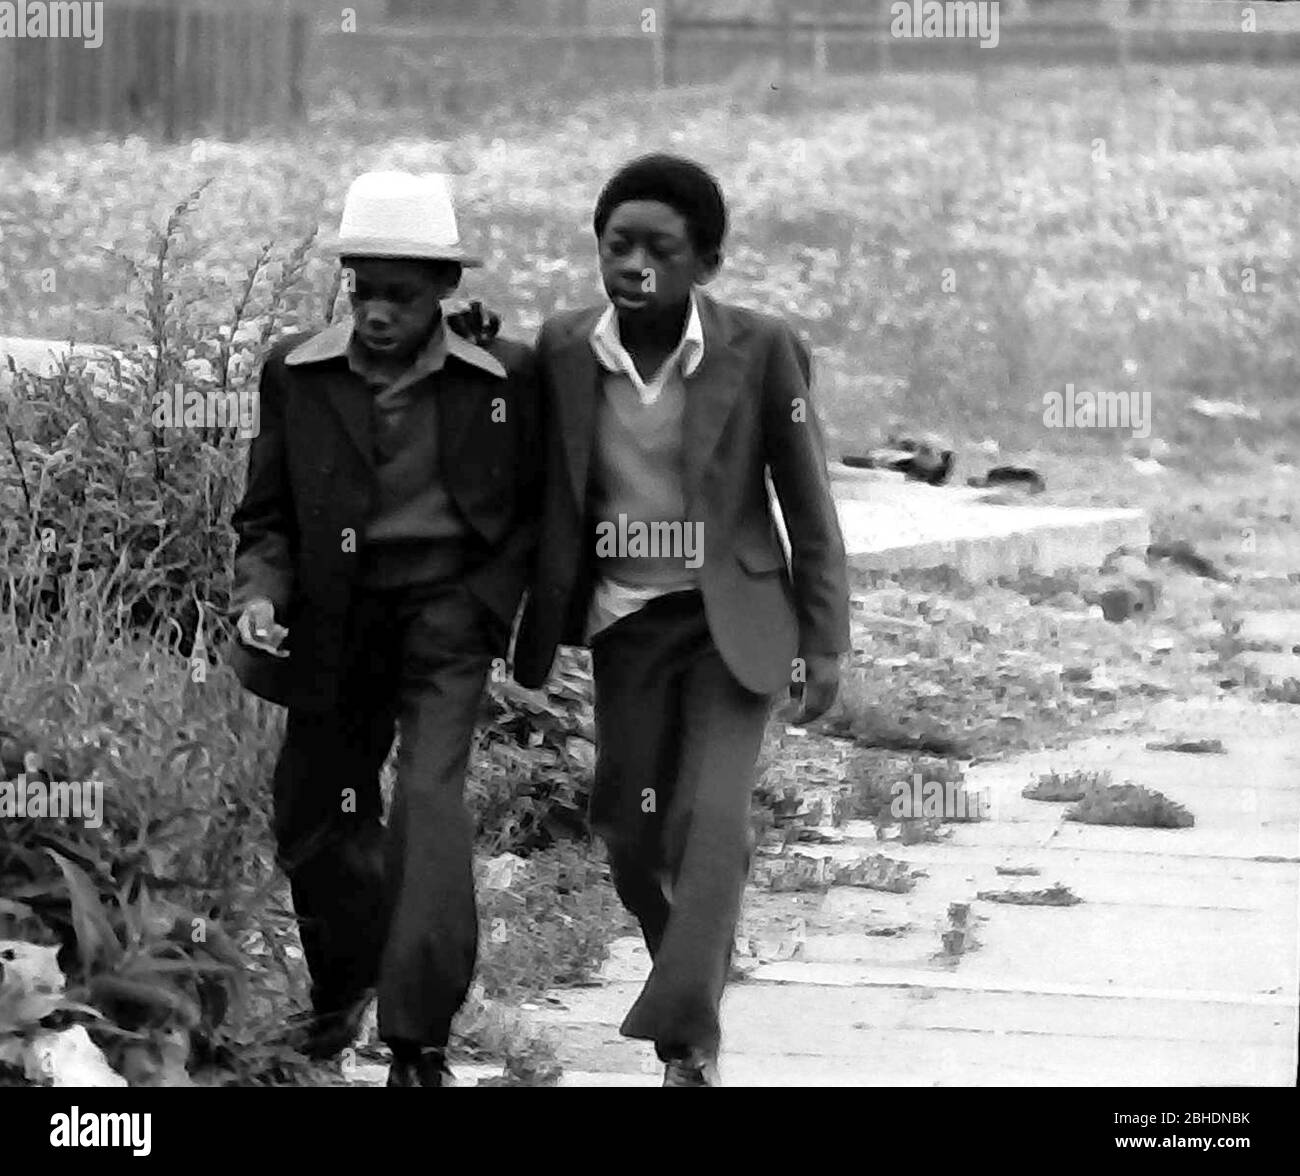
<point x="665" y="45"/>
<point x="53" y="83"/>
<point x="821" y="49"/>
<point x="787" y="43"/>
<point x="282" y="66"/>
<point x="8" y="94"/>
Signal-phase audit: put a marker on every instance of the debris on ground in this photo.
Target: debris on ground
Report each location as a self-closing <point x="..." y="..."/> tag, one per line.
<point x="1181" y="554"/>
<point x="889" y="930"/>
<point x="799" y="872"/>
<point x="1189" y="746"/>
<point x="1129" y="804"/>
<point x="918" y="830"/>
<point x="1017" y="476"/>
<point x="1057" y="895"/>
<point x="921" y="461"/>
<point x="499" y="872"/>
<point x="792" y="873"/>
<point x="958" y="934"/>
<point x="878" y="872"/>
<point x="1019" y="871"/>
<point x="817" y="836"/>
<point x="1125" y="601"/>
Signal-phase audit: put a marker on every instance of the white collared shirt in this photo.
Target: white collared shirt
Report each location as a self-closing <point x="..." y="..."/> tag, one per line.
<point x="612" y="600"/>
<point x="609" y="349"/>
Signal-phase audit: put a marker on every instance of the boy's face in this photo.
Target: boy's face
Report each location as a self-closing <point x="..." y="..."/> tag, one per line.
<point x="395" y="302"/>
<point x="648" y="261"/>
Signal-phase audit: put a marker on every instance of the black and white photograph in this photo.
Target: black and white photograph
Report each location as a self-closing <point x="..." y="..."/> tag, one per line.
<point x="651" y="543"/>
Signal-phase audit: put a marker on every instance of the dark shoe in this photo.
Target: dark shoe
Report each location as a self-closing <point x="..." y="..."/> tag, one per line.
<point x="697" y="1068"/>
<point x="427" y="1067"/>
<point x="323" y="1036"/>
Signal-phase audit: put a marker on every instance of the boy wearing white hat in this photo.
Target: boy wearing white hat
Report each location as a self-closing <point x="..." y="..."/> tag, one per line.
<point x="383" y="540"/>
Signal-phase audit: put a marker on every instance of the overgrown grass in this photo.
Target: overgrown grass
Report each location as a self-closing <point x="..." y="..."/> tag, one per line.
<point x="185" y="843"/>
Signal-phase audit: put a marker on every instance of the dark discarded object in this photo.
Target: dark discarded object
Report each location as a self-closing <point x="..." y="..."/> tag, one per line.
<point x="917" y="460"/>
<point x="1057" y="895"/>
<point x="1032" y="480"/>
<point x="1137" y="599"/>
<point x="1181" y="553"/>
<point x="1190" y="746"/>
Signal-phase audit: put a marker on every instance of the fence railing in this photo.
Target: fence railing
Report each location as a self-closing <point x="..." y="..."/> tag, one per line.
<point x="173" y="68"/>
<point x="1102" y="31"/>
<point x="186" y="68"/>
<point x="439" y="65"/>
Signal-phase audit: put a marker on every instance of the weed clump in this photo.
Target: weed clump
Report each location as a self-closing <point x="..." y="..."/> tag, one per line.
<point x="1130" y="804"/>
<point x="1056" y="787"/>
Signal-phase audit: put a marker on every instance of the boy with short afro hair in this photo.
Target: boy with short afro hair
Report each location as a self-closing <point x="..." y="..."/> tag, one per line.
<point x="666" y="413"/>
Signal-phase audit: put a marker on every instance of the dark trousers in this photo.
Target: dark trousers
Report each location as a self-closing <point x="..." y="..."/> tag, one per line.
<point x="677" y="741"/>
<point x="390" y="908"/>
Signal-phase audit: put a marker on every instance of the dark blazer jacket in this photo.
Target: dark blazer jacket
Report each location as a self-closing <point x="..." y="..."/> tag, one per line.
<point x="748" y="411"/>
<point x="311" y="480"/>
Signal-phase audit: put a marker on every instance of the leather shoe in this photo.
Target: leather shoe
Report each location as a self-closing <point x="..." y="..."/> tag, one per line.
<point x="324" y="1035"/>
<point x="428" y="1067"/>
<point x="695" y="1068"/>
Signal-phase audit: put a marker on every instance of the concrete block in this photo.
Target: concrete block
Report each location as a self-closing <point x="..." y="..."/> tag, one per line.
<point x="891" y="524"/>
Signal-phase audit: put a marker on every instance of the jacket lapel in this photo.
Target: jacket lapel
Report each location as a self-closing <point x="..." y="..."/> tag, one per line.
<point x="576" y="379"/>
<point x="711" y="393"/>
<point x="457" y="403"/>
<point x="352" y="403"/>
<point x="342" y="390"/>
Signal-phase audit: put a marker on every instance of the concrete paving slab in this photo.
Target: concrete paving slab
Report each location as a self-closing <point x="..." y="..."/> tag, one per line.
<point x="1134" y="945"/>
<point x="1274" y="668"/>
<point x="578" y="1078"/>
<point x="1225" y="844"/>
<point x="756" y="1019"/>
<point x="44" y="357"/>
<point x="944" y="1056"/>
<point x="1279" y="627"/>
<point x="960" y="978"/>
<point x="935" y="1058"/>
<point x="890" y="524"/>
<point x="376" y="1073"/>
<point x="1180" y="967"/>
<point x="1129" y="881"/>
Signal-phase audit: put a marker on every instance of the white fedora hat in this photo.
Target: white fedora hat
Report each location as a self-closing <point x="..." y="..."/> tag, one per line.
<point x="397" y="214"/>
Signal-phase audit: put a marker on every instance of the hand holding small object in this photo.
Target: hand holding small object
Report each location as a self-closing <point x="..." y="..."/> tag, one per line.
<point x="258" y="629"/>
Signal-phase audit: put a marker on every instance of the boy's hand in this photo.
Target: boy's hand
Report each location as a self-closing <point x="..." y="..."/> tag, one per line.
<point x="817" y="693"/>
<point x="257" y="628"/>
<point x="477" y="325"/>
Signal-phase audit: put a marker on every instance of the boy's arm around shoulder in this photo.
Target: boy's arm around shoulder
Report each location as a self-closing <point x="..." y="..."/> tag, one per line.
<point x="796" y="455"/>
<point x="264" y="520"/>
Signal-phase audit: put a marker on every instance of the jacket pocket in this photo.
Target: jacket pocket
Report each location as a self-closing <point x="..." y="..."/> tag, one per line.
<point x="761" y="560"/>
